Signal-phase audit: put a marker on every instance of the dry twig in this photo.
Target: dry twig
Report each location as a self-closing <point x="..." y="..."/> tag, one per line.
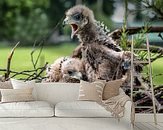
<point x="7" y="74"/>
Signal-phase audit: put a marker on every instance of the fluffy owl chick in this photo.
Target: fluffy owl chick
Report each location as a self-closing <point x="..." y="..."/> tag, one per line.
<point x="88" y="30"/>
<point x="101" y="56"/>
<point x="65" y="69"/>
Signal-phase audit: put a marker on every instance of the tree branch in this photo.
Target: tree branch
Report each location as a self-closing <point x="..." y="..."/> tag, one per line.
<point x="36" y="75"/>
<point x="159" y="35"/>
<point x="7" y="74"/>
<point x="133" y="30"/>
<point x="29" y="73"/>
<point x="32" y="57"/>
<point x="42" y="46"/>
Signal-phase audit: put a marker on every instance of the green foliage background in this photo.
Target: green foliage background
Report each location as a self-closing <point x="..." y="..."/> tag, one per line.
<point x="30" y="20"/>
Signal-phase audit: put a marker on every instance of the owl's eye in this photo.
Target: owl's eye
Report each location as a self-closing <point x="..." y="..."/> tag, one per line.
<point x="77" y="17"/>
<point x="70" y="72"/>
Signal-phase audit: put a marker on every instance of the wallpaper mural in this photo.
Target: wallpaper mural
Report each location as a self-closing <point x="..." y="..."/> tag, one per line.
<point x="100" y="55"/>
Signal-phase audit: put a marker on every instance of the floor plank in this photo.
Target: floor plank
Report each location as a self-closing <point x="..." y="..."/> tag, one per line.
<point x="136" y="128"/>
<point x="141" y="126"/>
<point x="157" y="126"/>
<point x="161" y="124"/>
<point x="148" y="126"/>
<point x="148" y="118"/>
<point x="152" y="127"/>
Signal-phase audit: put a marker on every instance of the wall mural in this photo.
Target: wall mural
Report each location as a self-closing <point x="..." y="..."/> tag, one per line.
<point x="99" y="56"/>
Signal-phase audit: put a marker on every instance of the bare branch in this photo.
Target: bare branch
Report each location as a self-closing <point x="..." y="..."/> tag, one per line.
<point x="155" y="76"/>
<point x="7" y="74"/>
<point x="29" y="73"/>
<point x="42" y="45"/>
<point x="36" y="75"/>
<point x="41" y="71"/>
<point x="32" y="57"/>
<point x="133" y="30"/>
<point x="159" y="35"/>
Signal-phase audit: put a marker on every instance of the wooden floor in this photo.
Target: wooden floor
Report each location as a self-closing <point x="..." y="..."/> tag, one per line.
<point x="148" y="126"/>
<point x="146" y="122"/>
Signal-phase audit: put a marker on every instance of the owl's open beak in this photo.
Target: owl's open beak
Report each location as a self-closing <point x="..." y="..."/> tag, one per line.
<point x="65" y="22"/>
<point x="74" y="27"/>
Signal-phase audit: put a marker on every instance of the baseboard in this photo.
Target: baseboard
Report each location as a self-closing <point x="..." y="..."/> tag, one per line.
<point x="148" y="117"/>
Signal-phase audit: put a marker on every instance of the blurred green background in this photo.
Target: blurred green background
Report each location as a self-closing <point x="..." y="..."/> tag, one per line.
<point x="30" y="21"/>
